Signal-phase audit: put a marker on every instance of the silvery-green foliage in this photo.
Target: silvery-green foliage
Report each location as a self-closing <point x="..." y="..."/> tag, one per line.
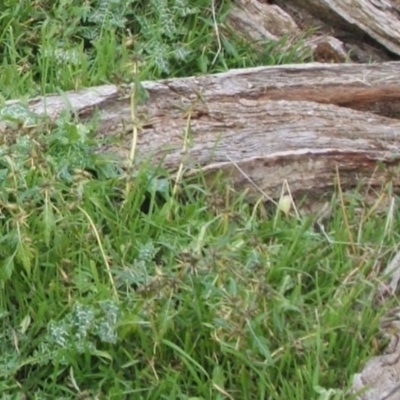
<point x="164" y="30"/>
<point x="147" y="252"/>
<point x="106" y="14"/>
<point x="84" y="329"/>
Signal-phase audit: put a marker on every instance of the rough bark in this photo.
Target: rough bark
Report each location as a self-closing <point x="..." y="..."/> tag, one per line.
<point x="267" y="125"/>
<point x="334" y="30"/>
<point x="377" y="18"/>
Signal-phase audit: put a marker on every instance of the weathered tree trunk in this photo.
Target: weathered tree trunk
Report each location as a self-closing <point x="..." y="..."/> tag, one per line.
<point x="334" y="30"/>
<point x="298" y="123"/>
<point x="377" y="18"/>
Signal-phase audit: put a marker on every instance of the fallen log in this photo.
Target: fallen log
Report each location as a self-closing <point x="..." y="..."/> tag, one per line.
<point x="330" y="30"/>
<point x="261" y="126"/>
<point x="379" y="19"/>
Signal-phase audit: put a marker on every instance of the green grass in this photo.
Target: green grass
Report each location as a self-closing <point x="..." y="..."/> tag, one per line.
<point x="46" y="46"/>
<point x="114" y="286"/>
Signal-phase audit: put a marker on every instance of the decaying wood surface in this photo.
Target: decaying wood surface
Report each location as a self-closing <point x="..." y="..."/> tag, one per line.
<point x="334" y="30"/>
<point x="299" y="123"/>
<point x="378" y="18"/>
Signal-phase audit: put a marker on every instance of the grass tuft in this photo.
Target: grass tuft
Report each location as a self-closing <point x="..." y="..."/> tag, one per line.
<point x="149" y="294"/>
<point x="119" y="284"/>
<point x="64" y="45"/>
